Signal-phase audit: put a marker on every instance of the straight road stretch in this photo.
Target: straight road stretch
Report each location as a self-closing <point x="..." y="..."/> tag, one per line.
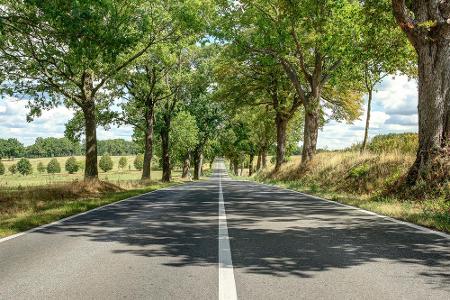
<point x="226" y="239"/>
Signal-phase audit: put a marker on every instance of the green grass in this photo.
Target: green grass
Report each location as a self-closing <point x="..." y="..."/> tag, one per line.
<point x="37" y="212"/>
<point x="36" y="179"/>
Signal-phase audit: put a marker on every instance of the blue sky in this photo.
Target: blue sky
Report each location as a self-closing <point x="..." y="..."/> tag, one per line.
<point x="394" y="110"/>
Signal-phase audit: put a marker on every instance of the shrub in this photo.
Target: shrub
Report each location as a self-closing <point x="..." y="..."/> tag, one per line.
<point x="53" y="166"/>
<point x="2" y="168"/>
<point x="139" y="162"/>
<point x="72" y="165"/>
<point x="24" y="167"/>
<point x="359" y="171"/>
<point x="406" y="143"/>
<point x="41" y="168"/>
<point x="106" y="163"/>
<point x="122" y="162"/>
<point x="12" y="169"/>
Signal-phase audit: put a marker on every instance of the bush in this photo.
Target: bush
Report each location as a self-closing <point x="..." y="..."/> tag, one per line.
<point x="24" y="167"/>
<point x="41" y="168"/>
<point x="12" y="169"/>
<point x="106" y="163"/>
<point x="122" y="162"/>
<point x="53" y="166"/>
<point x="406" y="143"/>
<point x="2" y="168"/>
<point x="139" y="162"/>
<point x="72" y="165"/>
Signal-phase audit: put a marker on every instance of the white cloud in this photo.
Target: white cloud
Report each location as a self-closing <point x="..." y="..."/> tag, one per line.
<point x="51" y="124"/>
<point x="394" y="110"/>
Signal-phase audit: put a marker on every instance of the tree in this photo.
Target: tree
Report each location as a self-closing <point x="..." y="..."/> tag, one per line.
<point x="60" y="52"/>
<point x="426" y="24"/>
<point x="53" y="166"/>
<point x="302" y="37"/>
<point x="72" y="165"/>
<point x="383" y="50"/>
<point x="139" y="162"/>
<point x="40" y="167"/>
<point x="106" y="163"/>
<point x="2" y="168"/>
<point x="24" y="167"/>
<point x="122" y="162"/>
<point x="12" y="169"/>
<point x="53" y="147"/>
<point x="11" y="148"/>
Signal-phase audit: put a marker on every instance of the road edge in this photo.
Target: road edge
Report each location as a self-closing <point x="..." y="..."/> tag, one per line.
<point x="409" y="224"/>
<point x="14" y="236"/>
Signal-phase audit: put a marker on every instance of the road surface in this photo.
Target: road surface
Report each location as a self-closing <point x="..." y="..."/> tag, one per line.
<point x="225" y="239"/>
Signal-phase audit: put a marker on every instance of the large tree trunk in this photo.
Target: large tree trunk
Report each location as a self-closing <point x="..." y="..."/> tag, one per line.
<point x="165" y="145"/>
<point x="90" y="121"/>
<point x="264" y="158"/>
<point x="366" y="131"/>
<point x="250" y="165"/>
<point x="433" y="50"/>
<point x="281" y="123"/>
<point x="148" y="151"/>
<point x="235" y="167"/>
<point x="311" y="133"/>
<point x="186" y="165"/>
<point x="434" y="99"/>
<point x="198" y="162"/>
<point x="258" y="161"/>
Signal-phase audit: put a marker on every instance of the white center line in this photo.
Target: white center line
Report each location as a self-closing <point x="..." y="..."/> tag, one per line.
<point x="227" y="285"/>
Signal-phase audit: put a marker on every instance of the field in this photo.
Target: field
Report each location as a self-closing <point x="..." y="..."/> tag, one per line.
<point x="115" y="176"/>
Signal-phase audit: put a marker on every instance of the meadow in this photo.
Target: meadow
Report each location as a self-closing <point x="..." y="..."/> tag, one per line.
<point x="116" y="175"/>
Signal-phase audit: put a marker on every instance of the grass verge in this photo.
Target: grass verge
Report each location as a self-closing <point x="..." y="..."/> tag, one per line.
<point x="366" y="181"/>
<point x="35" y="211"/>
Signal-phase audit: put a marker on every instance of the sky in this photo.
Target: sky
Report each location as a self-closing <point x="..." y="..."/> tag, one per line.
<point x="394" y="109"/>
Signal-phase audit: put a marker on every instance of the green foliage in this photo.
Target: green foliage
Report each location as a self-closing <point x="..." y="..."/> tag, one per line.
<point x="53" y="166"/>
<point x="24" y="167"/>
<point x="122" y="162"/>
<point x="106" y="163"/>
<point x="117" y="147"/>
<point x="359" y="171"/>
<point x="72" y="165"/>
<point x="41" y="168"/>
<point x="2" y="168"/>
<point x="406" y="143"/>
<point x="10" y="148"/>
<point x="183" y="135"/>
<point x="53" y="147"/>
<point x="139" y="162"/>
<point x="13" y="169"/>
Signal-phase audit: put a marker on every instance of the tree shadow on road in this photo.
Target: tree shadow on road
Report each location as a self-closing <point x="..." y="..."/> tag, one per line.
<point x="272" y="232"/>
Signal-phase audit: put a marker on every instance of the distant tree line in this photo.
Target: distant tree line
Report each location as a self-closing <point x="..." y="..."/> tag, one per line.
<point x="59" y="147"/>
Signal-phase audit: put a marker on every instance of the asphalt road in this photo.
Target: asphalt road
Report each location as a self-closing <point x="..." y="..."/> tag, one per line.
<point x="225" y="239"/>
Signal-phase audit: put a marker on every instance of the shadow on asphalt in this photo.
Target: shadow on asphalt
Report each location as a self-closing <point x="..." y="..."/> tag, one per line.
<point x="272" y="232"/>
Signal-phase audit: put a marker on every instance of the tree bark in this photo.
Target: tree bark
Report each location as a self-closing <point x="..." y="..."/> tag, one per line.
<point x="186" y="165"/>
<point x="236" y="167"/>
<point x="165" y="145"/>
<point x="198" y="162"/>
<point x="281" y="123"/>
<point x="311" y="133"/>
<point x="250" y="165"/>
<point x="91" y="168"/>
<point x="366" y="131"/>
<point x="148" y="151"/>
<point x="264" y="158"/>
<point x="258" y="161"/>
<point x="433" y="51"/>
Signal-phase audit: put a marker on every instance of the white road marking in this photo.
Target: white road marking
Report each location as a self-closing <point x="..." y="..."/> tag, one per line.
<point x="227" y="284"/>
